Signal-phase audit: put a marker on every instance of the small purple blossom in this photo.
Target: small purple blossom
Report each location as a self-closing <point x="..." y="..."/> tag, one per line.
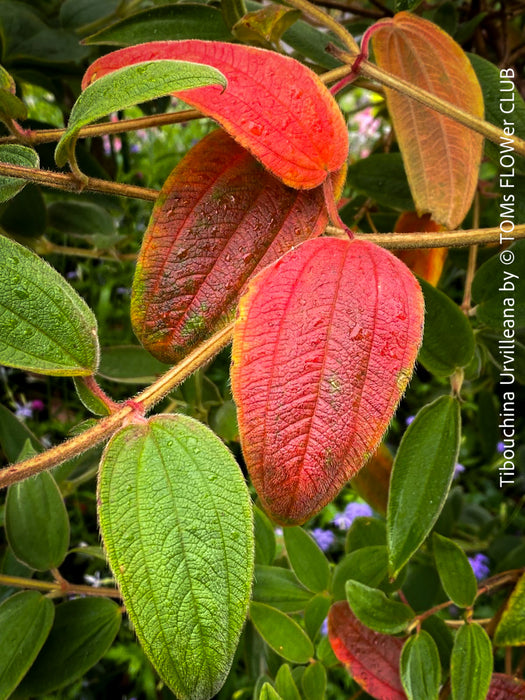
<point x="409" y="420"/>
<point x="458" y="469"/>
<point x="324" y="538"/>
<point x="500" y="447"/>
<point x="352" y="511"/>
<point x="324" y="627"/>
<point x="72" y="274"/>
<point x="37" y="405"/>
<point x="23" y="410"/>
<point x="480" y="567"/>
<point x="278" y="531"/>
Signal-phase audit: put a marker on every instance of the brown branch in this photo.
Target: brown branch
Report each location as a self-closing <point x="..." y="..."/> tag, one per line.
<point x="106" y="427"/>
<point x="69" y="183"/>
<point x="119" y="127"/>
<point x="58" y="588"/>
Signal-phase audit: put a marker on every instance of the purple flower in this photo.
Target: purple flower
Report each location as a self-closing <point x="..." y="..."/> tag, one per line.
<point x="479" y="564"/>
<point x="500" y="447"/>
<point x="409" y="420"/>
<point x="352" y="511"/>
<point x="458" y="469"/>
<point x="324" y="627"/>
<point x="23" y="410"/>
<point x="324" y="538"/>
<point x="37" y="405"/>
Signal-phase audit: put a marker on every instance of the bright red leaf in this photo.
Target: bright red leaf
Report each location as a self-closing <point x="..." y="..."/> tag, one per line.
<point x="372" y="658"/>
<point x="219" y="218"/>
<point x="274" y="106"/>
<point x="324" y="345"/>
<point x="503" y="687"/>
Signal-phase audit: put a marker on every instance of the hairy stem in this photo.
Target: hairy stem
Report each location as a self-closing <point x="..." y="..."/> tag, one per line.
<point x="489" y="131"/>
<point x="69" y="183"/>
<point x="58" y="588"/>
<point x="106" y="427"/>
<point x="440" y="239"/>
<point x="107" y="128"/>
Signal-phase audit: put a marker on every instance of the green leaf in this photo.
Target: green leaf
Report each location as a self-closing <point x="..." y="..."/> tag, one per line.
<point x="471" y="663"/>
<point x="491" y="82"/>
<point x="382" y="177"/>
<point x="27" y="39"/>
<point x="455" y="571"/>
<point x="285" y="684"/>
<point x="368" y="565"/>
<point x="11" y="566"/>
<point x="280" y="588"/>
<point x="313" y="681"/>
<point x="36" y="522"/>
<point x="11" y="107"/>
<point x="448" y="340"/>
<point x="375" y="610"/>
<point x="421" y="478"/>
<point x="83" y="631"/>
<point x="268" y="692"/>
<point x="511" y="628"/>
<point x="442" y="637"/>
<point x="24" y="216"/>
<point x="420" y="667"/>
<point x="307" y="560"/>
<point x="176" y="520"/>
<point x="496" y="290"/>
<point x="167" y="22"/>
<point x="130" y="364"/>
<point x="25" y="621"/>
<point x="264" y="538"/>
<point x="90" y="400"/>
<point x="77" y="14"/>
<point x="281" y="633"/>
<point x="365" y="532"/>
<point x="80" y="218"/>
<point x="14" y="434"/>
<point x="44" y="325"/>
<point x="315" y="613"/>
<point x="129" y="86"/>
<point x="13" y="154"/>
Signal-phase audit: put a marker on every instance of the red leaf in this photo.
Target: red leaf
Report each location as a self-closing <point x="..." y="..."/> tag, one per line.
<point x="424" y="262"/>
<point x="219" y="218"/>
<point x="503" y="687"/>
<point x="372" y="658"/>
<point x="274" y="106"/>
<point x="324" y="345"/>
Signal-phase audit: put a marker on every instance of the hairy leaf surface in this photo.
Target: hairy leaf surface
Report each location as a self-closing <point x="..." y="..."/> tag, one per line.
<point x="372" y="658"/>
<point x="323" y="348"/>
<point x="219" y="219"/>
<point x="273" y="106"/>
<point x="130" y="85"/>
<point x="441" y="156"/>
<point x="176" y="520"/>
<point x="45" y="326"/>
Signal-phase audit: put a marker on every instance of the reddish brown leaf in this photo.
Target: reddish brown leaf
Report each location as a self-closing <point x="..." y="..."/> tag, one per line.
<point x="323" y="348"/>
<point x="441" y="156"/>
<point x="274" y="106"/>
<point x="424" y="262"/>
<point x="219" y="218"/>
<point x="372" y="658"/>
<point x="373" y="481"/>
<point x="503" y="687"/>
